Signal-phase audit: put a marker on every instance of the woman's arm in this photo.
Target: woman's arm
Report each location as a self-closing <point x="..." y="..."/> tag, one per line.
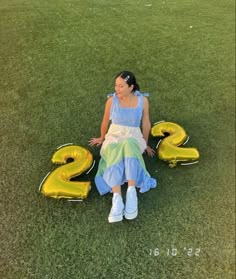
<point x="106" y="118"/>
<point x="146" y="126"/>
<point x="104" y="125"/>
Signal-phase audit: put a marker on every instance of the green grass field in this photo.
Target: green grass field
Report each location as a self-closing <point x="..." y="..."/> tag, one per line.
<point x="58" y="62"/>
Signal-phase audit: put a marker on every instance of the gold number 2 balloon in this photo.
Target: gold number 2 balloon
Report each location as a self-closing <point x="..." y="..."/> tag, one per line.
<point x="57" y="184"/>
<point x="168" y="149"/>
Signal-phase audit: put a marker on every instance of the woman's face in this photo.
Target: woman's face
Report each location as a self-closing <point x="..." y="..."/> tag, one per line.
<point x="122" y="88"/>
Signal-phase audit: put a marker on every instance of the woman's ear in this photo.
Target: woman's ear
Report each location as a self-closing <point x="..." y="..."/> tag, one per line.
<point x="131" y="87"/>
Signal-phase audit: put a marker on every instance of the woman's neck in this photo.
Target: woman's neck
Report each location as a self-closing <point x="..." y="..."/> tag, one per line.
<point x="128" y="101"/>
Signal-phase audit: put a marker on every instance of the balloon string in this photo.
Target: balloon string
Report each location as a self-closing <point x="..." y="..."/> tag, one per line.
<point x="186" y="140"/>
<point x="64" y="145"/>
<point x="40" y="186"/>
<point x="159" y="122"/>
<point x="158" y="144"/>
<point x="186" y="164"/>
<point x="74" y="200"/>
<point x="91" y="167"/>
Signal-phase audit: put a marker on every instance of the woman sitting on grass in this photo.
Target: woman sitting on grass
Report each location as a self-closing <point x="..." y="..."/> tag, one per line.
<point x="122" y="147"/>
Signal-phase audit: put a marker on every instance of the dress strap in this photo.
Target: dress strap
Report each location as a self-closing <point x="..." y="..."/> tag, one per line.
<point x="114" y="103"/>
<point x="110" y="94"/>
<point x="140" y="101"/>
<point x="137" y="93"/>
<point x="141" y="95"/>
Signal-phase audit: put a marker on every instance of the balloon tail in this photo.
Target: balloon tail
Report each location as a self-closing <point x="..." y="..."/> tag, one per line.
<point x="91" y="167"/>
<point x="158" y="144"/>
<point x="159" y="122"/>
<point x="186" y="164"/>
<point x="40" y="186"/>
<point x="64" y="145"/>
<point x="186" y="140"/>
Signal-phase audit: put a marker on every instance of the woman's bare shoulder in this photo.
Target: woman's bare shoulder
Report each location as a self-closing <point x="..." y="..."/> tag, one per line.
<point x="109" y="99"/>
<point x="145" y="101"/>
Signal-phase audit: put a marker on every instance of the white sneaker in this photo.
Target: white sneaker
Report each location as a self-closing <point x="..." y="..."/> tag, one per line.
<point x="131" y="206"/>
<point x="117" y="210"/>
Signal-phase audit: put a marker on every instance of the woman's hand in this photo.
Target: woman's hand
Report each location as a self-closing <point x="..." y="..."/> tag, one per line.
<point x="151" y="152"/>
<point x="96" y="141"/>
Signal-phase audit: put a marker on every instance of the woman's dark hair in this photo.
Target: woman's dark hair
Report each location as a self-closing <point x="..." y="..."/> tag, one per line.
<point x="129" y="78"/>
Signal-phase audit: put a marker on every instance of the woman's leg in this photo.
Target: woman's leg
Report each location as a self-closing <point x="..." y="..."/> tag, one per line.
<point x="131" y="183"/>
<point x="116" y="189"/>
<point x="117" y="210"/>
<point x="131" y="205"/>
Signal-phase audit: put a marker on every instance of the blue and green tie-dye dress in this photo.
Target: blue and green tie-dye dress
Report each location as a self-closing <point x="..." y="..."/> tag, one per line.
<point x="121" y="152"/>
